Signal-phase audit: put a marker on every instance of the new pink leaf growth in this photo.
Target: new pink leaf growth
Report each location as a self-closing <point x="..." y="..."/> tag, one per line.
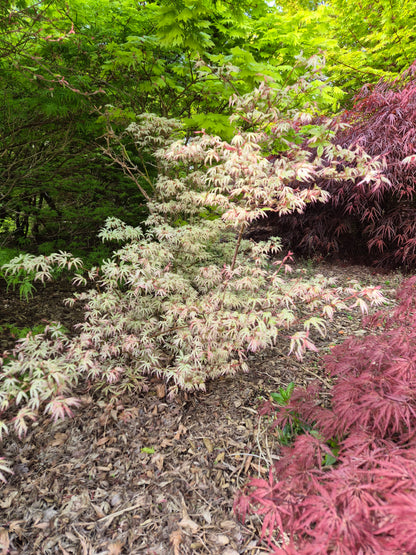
<point x="59" y="408"/>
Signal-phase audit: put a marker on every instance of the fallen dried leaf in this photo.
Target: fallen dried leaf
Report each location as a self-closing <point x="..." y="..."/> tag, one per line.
<point x="129" y="414"/>
<point x="219" y="539"/>
<point x="181" y="430"/>
<point x="8" y="500"/>
<point x="64" y="551"/>
<point x="161" y="390"/>
<point x="219" y="458"/>
<point x="158" y="461"/>
<point x="259" y="468"/>
<point x="4" y="541"/>
<point x="115" y="499"/>
<point x="207" y="516"/>
<point x="115" y="548"/>
<point x="71" y="536"/>
<point x="188" y="523"/>
<point x="85" y="544"/>
<point x="59" y="439"/>
<point x="176" y="539"/>
<point x="41" y="525"/>
<point x="208" y="444"/>
<point x="166" y="443"/>
<point x="247" y="463"/>
<point x="15" y="527"/>
<point x="98" y="511"/>
<point x="76" y="504"/>
<point x="102" y="441"/>
<point x="228" y="524"/>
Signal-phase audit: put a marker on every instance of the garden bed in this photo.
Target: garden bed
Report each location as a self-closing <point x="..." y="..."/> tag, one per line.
<point x="151" y="475"/>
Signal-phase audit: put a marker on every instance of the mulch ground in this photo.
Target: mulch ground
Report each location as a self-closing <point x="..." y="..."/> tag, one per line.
<point x="148" y="475"/>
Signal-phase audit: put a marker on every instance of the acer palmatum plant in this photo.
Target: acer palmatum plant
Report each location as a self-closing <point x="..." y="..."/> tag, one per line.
<point x="366" y="501"/>
<point x="373" y="221"/>
<point x="37" y="375"/>
<point x="24" y="269"/>
<point x="189" y="297"/>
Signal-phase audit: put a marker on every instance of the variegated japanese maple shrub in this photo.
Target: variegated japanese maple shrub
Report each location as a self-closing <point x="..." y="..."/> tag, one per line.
<point x="361" y="496"/>
<point x="187" y="302"/>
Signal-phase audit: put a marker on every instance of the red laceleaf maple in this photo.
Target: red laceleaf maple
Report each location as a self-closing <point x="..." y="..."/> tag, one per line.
<point x="363" y="500"/>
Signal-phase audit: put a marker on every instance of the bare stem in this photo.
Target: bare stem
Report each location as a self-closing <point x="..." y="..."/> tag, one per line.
<point x="237" y="247"/>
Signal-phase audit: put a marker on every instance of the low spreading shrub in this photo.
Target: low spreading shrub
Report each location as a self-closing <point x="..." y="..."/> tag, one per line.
<point x="370" y="222"/>
<point x="362" y="499"/>
<point x="187" y="297"/>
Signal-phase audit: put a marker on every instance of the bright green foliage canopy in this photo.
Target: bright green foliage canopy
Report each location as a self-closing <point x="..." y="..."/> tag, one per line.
<point x="362" y="40"/>
<point x="62" y="63"/>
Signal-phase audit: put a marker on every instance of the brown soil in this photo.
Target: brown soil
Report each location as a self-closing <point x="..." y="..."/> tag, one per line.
<point x="149" y="475"/>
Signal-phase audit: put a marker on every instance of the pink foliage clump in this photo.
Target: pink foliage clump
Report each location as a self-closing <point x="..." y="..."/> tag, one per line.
<point x="365" y="502"/>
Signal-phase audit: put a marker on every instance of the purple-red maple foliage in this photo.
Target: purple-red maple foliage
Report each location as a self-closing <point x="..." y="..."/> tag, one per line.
<point x="373" y="221"/>
<point x="366" y="501"/>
